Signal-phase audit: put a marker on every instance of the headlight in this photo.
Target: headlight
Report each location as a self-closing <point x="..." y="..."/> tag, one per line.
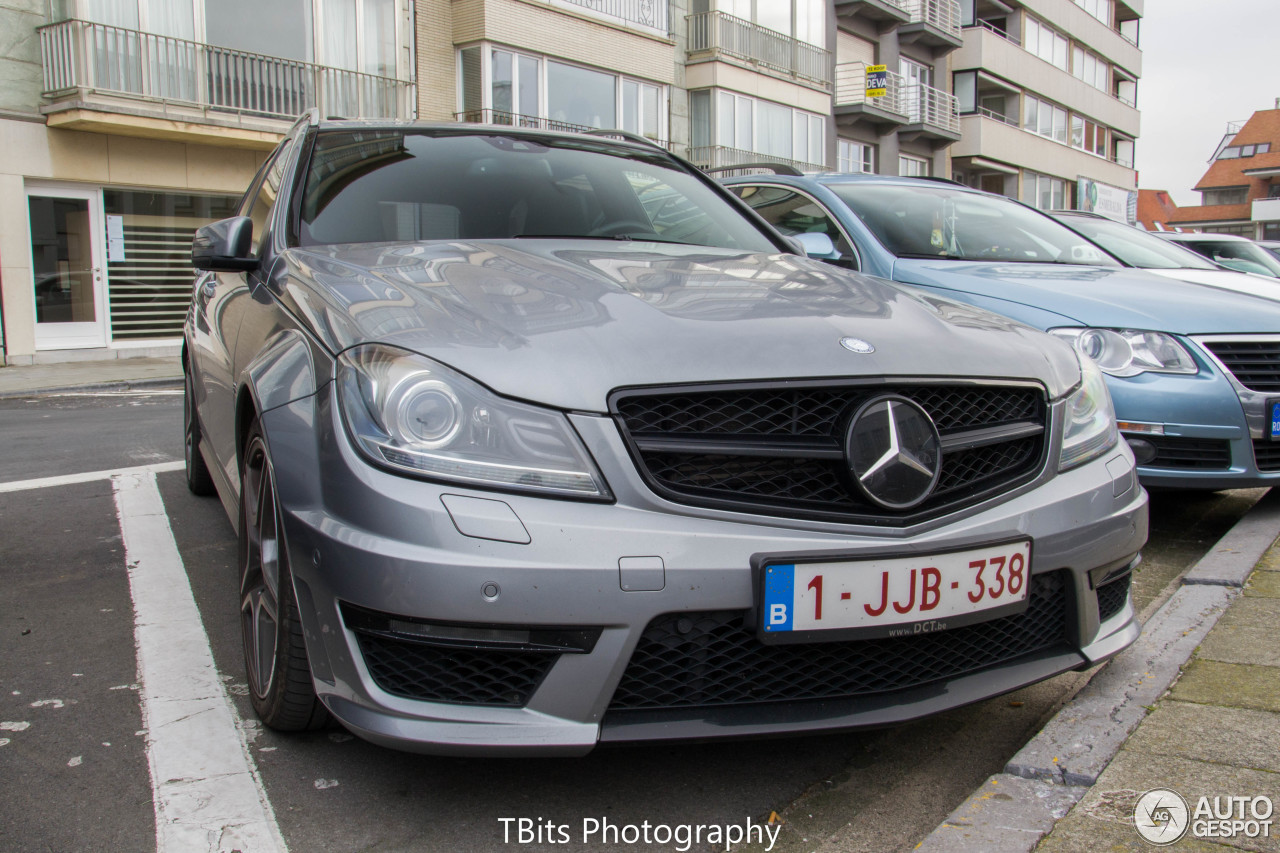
<point x="1090" y="427"/>
<point x="417" y="416"/>
<point x="1128" y="352"/>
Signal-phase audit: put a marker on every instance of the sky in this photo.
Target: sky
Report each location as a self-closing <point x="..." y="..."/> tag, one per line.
<point x="1204" y="63"/>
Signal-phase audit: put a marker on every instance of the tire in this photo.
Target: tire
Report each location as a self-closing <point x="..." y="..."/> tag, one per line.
<point x="199" y="480"/>
<point x="275" y="653"/>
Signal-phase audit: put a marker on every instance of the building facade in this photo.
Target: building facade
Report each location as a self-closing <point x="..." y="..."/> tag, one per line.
<point x="127" y="124"/>
<point x="132" y="122"/>
<point x="1240" y="191"/>
<point x="1047" y="94"/>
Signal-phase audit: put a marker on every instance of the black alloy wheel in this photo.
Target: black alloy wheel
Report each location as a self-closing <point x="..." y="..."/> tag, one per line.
<point x="275" y="652"/>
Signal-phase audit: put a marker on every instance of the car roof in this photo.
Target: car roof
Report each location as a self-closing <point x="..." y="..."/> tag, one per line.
<point x="1186" y="237"/>
<point x="624" y="137"/>
<point x="829" y="178"/>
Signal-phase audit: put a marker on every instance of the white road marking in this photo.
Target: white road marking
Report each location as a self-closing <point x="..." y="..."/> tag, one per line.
<point x="208" y="795"/>
<point x="88" y="477"/>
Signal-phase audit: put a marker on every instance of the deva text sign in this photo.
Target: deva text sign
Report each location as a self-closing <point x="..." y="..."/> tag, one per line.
<point x="877" y="80"/>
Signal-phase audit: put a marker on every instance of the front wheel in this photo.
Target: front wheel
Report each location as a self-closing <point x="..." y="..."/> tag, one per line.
<point x="275" y="652"/>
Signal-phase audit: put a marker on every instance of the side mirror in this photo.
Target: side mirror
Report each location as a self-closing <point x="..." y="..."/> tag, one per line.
<point x="816" y="245"/>
<point x="223" y="246"/>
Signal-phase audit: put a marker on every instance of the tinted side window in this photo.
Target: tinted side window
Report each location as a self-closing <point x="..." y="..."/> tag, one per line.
<point x="796" y="213"/>
<point x="259" y="209"/>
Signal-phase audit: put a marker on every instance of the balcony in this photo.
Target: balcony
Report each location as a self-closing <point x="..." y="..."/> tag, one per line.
<point x="714" y="156"/>
<point x="920" y="111"/>
<point x="881" y="11"/>
<point x="933" y="23"/>
<point x="108" y="78"/>
<point x="715" y="34"/>
<point x="1266" y="210"/>
<point x="647" y="14"/>
<point x="851" y="101"/>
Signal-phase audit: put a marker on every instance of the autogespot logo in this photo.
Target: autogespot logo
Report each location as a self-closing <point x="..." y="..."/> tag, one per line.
<point x="1161" y="816"/>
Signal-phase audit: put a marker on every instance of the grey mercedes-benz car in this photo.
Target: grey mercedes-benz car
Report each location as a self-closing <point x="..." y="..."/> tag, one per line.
<point x="535" y="441"/>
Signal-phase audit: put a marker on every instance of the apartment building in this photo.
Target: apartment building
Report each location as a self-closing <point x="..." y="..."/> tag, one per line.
<point x="1047" y="93"/>
<point x="1240" y="191"/>
<point x="907" y="129"/>
<point x="132" y="122"/>
<point x="127" y="124"/>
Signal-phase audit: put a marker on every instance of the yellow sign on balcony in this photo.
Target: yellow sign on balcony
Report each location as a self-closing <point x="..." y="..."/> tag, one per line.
<point x="877" y="81"/>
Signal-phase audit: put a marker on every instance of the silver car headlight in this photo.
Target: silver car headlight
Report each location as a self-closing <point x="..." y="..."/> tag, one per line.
<point x="1128" y="352"/>
<point x="416" y="416"/>
<point x="1090" y="427"/>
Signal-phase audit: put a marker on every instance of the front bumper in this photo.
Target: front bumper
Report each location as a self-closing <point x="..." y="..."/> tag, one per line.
<point x="358" y="536"/>
<point x="1210" y="429"/>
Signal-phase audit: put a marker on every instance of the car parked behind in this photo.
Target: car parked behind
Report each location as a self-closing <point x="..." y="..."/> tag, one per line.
<point x="1229" y="250"/>
<point x="535" y="441"/>
<point x="1140" y="249"/>
<point x="1193" y="370"/>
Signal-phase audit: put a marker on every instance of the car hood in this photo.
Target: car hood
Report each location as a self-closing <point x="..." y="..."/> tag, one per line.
<point x="1105" y="296"/>
<point x="1240" y="282"/>
<point x="564" y="322"/>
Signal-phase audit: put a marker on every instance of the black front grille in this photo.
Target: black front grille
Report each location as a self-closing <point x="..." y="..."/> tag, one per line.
<point x="1112" y="596"/>
<point x="431" y="673"/>
<point x="1266" y="454"/>
<point x="779" y="450"/>
<point x="1255" y="364"/>
<point x="695" y="660"/>
<point x="1188" y="453"/>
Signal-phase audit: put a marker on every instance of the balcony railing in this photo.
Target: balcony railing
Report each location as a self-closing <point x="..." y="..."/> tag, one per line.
<point x="998" y="116"/>
<point x="510" y="119"/>
<point x="943" y="14"/>
<point x="934" y="107"/>
<point x="992" y="28"/>
<point x="851" y="89"/>
<point x="83" y="55"/>
<point x="714" y="156"/>
<point x="646" y="13"/>
<point x="721" y="33"/>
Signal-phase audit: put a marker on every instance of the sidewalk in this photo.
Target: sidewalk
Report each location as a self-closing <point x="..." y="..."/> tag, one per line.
<point x="1193" y="707"/>
<point x="1216" y="733"/>
<point x="121" y="374"/>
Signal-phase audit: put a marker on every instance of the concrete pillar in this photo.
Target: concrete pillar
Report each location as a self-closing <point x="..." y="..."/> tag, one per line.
<point x="15" y="272"/>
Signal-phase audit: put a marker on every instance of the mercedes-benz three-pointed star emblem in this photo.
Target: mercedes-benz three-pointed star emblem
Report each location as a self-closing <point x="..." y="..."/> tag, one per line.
<point x="894" y="452"/>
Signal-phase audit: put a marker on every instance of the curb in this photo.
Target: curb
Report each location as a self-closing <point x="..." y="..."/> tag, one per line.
<point x="150" y="384"/>
<point x="1014" y="810"/>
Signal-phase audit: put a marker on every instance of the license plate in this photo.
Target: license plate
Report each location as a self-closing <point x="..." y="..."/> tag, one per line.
<point x="1275" y="419"/>
<point x="896" y="596"/>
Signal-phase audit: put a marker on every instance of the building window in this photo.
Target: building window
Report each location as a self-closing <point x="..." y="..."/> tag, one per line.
<point x="1043" y="118"/>
<point x="913" y="167"/>
<point x="729" y="120"/>
<point x="855" y="157"/>
<point x="503" y="87"/>
<point x="1090" y="68"/>
<point x="1088" y="136"/>
<point x="1100" y="9"/>
<point x="803" y="20"/>
<point x="1233" y="152"/>
<point x="1044" y="191"/>
<point x="964" y="85"/>
<point x="1229" y="195"/>
<point x="1245" y="230"/>
<point x="1047" y="43"/>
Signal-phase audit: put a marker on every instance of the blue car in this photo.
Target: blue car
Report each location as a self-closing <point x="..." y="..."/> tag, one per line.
<point x="1194" y="370"/>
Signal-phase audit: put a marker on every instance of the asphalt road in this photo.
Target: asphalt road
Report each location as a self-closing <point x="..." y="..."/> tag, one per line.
<point x="72" y="736"/>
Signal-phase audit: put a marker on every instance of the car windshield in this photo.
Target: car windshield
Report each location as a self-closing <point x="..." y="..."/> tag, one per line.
<point x="916" y="221"/>
<point x="1238" y="255"/>
<point x="448" y="184"/>
<point x="1134" y="247"/>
